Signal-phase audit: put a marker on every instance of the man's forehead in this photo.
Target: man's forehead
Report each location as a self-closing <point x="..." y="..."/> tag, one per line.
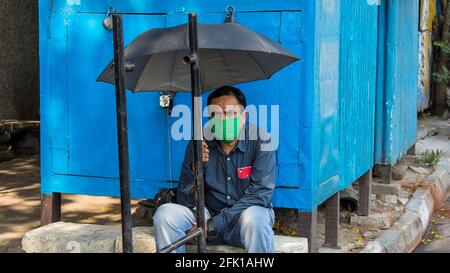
<point x="225" y="100"/>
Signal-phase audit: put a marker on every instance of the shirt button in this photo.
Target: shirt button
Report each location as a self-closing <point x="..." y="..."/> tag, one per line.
<point x="228" y="197"/>
<point x="228" y="159"/>
<point x="228" y="178"/>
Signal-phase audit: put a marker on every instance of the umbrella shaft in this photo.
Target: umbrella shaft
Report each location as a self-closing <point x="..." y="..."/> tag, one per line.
<point x="197" y="122"/>
<point x="122" y="134"/>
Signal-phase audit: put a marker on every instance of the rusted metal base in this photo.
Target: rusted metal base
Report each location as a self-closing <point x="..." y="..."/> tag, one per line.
<point x="412" y="150"/>
<point x="50" y="208"/>
<point x="332" y="221"/>
<point x="364" y="190"/>
<point x="385" y="173"/>
<point x="307" y="227"/>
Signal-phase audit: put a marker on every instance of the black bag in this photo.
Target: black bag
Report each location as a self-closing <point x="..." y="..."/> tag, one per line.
<point x="165" y="196"/>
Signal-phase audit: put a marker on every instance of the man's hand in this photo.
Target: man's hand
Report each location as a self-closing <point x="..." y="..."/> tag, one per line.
<point x="205" y="152"/>
<point x="194" y="227"/>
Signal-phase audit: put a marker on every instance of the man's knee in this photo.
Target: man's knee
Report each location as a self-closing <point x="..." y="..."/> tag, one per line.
<point x="168" y="214"/>
<point x="256" y="218"/>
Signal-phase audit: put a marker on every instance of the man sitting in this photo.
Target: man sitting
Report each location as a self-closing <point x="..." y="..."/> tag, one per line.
<point x="239" y="182"/>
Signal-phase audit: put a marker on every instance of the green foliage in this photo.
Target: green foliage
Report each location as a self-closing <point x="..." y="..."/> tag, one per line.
<point x="442" y="77"/>
<point x="430" y="157"/>
<point x="443" y="46"/>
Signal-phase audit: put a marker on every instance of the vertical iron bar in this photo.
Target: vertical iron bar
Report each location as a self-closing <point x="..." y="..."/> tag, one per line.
<point x="364" y="191"/>
<point x="122" y="133"/>
<point x="50" y="208"/>
<point x="385" y="173"/>
<point x="332" y="221"/>
<point x="197" y="124"/>
<point x="307" y="227"/>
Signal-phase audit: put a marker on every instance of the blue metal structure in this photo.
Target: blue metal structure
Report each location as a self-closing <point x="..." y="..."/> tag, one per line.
<point x="326" y="102"/>
<point x="396" y="105"/>
<point x="357" y="91"/>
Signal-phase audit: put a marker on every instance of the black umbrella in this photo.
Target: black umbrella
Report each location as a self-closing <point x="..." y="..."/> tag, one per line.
<point x="156" y="61"/>
<point x="230" y="54"/>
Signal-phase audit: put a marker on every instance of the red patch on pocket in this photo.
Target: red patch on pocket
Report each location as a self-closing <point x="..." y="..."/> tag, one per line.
<point x="244" y="172"/>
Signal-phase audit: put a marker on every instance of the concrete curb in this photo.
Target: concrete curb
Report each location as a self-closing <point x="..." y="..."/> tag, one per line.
<point x="406" y="234"/>
<point x="64" y="237"/>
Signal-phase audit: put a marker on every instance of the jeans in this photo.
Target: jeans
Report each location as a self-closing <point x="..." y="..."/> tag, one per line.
<point x="253" y="230"/>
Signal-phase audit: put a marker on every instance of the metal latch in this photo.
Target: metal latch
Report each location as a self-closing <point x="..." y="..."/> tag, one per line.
<point x="108" y="23"/>
<point x="231" y="18"/>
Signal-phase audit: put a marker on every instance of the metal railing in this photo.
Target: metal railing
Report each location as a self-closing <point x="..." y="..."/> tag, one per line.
<point x="120" y="78"/>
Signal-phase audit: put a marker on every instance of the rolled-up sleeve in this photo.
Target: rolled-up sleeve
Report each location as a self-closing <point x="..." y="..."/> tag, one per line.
<point x="186" y="186"/>
<point x="258" y="193"/>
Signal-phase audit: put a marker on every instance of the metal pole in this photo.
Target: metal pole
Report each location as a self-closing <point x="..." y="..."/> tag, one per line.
<point x="197" y="124"/>
<point x="195" y="234"/>
<point x="122" y="134"/>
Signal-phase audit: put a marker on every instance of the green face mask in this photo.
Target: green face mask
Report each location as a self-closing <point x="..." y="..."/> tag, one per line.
<point x="226" y="130"/>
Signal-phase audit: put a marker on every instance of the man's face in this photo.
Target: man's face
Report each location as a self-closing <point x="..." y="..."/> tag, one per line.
<point x="227" y="107"/>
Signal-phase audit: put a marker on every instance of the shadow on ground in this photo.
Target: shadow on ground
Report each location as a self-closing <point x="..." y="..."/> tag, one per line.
<point x="20" y="204"/>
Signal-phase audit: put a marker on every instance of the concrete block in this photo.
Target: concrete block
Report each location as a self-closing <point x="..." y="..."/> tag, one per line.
<point x="390" y="199"/>
<point x="441" y="179"/>
<point x="444" y="164"/>
<point x="65" y="237"/>
<point x="393" y="241"/>
<point x="374" y="221"/>
<point x="424" y="193"/>
<point x="373" y="247"/>
<point x="411" y="227"/>
<point x="286" y="244"/>
<point x="419" y="170"/>
<point x="283" y="244"/>
<point x="332" y="250"/>
<point x="370" y="234"/>
<point x="386" y="189"/>
<point x="403" y="200"/>
<point x="143" y="241"/>
<point x="423" y="207"/>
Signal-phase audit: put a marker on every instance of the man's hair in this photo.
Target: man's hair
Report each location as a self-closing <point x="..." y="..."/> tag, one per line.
<point x="226" y="91"/>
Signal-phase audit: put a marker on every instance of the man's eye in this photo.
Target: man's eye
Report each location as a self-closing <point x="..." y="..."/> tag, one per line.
<point x="231" y="114"/>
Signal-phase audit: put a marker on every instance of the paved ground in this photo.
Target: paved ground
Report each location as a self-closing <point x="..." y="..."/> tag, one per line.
<point x="20" y="204"/>
<point x="20" y="199"/>
<point x="437" y="238"/>
<point x="440" y="139"/>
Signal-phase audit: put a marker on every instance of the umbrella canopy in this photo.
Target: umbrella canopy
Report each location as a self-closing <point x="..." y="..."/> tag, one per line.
<point x="229" y="54"/>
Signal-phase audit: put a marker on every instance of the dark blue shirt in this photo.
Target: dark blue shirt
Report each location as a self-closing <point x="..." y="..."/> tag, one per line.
<point x="226" y="194"/>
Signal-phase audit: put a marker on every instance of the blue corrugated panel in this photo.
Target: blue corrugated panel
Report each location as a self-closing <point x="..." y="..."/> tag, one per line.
<point x="358" y="87"/>
<point x="326" y="116"/>
<point x="396" y="107"/>
<point x="325" y="145"/>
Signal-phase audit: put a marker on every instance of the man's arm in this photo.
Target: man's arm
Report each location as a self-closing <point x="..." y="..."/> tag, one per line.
<point x="186" y="187"/>
<point x="258" y="193"/>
